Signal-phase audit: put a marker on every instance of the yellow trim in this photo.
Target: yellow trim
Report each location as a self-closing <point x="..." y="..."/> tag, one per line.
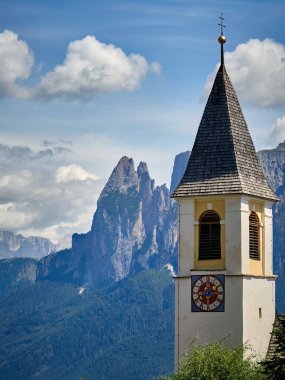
<point x="256" y="267"/>
<point x="200" y="207"/>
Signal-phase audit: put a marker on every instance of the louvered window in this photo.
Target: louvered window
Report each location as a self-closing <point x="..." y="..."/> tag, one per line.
<point x="209" y="236"/>
<point x="254" y="236"/>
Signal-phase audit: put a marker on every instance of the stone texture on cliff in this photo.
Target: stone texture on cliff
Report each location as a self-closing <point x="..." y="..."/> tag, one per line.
<point x="134" y="228"/>
<point x="180" y="164"/>
<point x="273" y="164"/>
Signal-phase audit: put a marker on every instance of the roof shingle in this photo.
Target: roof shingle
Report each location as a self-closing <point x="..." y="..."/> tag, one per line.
<point x="223" y="159"/>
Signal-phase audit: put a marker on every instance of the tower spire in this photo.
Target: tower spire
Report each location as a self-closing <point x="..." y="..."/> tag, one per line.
<point x="222" y="39"/>
<point x="223" y="158"/>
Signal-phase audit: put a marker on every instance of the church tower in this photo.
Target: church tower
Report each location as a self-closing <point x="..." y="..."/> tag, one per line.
<point x="225" y="284"/>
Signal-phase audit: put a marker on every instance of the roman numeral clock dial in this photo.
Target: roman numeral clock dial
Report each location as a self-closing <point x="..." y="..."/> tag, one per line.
<point x="208" y="293"/>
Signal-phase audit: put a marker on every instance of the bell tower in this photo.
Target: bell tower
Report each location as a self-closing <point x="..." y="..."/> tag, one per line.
<point x="225" y="284"/>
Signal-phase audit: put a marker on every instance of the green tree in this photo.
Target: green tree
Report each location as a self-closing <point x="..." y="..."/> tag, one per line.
<point x="216" y="361"/>
<point x="274" y="366"/>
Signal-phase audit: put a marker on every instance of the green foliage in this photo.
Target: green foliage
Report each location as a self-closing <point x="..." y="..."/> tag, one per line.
<point x="274" y="368"/>
<point x="123" y="332"/>
<point x="216" y="361"/>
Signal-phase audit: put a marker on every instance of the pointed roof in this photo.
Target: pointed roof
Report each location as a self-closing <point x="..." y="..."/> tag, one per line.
<point x="223" y="159"/>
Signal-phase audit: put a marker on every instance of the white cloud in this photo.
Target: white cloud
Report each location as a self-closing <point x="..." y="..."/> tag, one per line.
<point x="12" y="218"/>
<point x="73" y="172"/>
<point x="257" y="70"/>
<point x="32" y="201"/>
<point x="16" y="61"/>
<point x="277" y="132"/>
<point x="92" y="67"/>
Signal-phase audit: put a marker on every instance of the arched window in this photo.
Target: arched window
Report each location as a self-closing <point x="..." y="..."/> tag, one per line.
<point x="209" y="236"/>
<point x="253" y="236"/>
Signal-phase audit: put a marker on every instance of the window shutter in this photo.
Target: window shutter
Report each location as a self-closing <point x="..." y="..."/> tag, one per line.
<point x="209" y="236"/>
<point x="254" y="236"/>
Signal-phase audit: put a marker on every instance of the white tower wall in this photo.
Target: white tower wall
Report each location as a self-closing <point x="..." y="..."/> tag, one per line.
<point x="249" y="309"/>
<point x="258" y="313"/>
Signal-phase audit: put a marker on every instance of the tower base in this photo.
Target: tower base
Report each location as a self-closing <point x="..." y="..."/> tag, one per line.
<point x="247" y="319"/>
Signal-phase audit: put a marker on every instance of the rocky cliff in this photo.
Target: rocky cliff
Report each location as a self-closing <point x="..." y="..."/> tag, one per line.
<point x="16" y="245"/>
<point x="180" y="163"/>
<point x="273" y="164"/>
<point x="134" y="228"/>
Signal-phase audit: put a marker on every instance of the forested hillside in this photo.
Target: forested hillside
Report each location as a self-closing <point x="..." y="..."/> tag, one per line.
<point x="55" y="331"/>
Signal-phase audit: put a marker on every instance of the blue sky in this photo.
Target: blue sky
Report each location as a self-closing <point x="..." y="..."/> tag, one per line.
<point x="71" y="129"/>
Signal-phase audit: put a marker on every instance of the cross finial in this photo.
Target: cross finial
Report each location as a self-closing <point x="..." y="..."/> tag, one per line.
<point x="222" y="39"/>
<point x="222" y="24"/>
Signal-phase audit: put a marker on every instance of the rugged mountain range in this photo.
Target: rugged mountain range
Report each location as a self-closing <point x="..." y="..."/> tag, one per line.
<point x="134" y="228"/>
<point x="16" y="245"/>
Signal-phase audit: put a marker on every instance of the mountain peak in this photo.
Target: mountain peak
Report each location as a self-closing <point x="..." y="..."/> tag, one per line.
<point x="142" y="168"/>
<point x="125" y="161"/>
<point x="122" y="177"/>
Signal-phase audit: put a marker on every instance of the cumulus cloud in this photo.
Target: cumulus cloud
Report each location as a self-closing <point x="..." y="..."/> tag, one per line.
<point x="257" y="70"/>
<point x="11" y="217"/>
<point x="73" y="172"/>
<point x="91" y="67"/>
<point x="16" y="62"/>
<point x="277" y="132"/>
<point x="43" y="193"/>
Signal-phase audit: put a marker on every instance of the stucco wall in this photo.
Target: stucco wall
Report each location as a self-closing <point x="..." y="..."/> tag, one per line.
<point x="247" y="290"/>
<point x="186" y="236"/>
<point x="207" y="326"/>
<point x="259" y="313"/>
<point x="248" y="317"/>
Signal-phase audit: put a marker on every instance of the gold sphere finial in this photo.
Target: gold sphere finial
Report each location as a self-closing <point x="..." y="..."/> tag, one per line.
<point x="222" y="39"/>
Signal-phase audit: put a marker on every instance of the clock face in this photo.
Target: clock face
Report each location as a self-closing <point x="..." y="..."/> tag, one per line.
<point x="208" y="293"/>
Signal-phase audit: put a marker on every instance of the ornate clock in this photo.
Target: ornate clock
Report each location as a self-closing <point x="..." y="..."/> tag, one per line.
<point x="208" y="293"/>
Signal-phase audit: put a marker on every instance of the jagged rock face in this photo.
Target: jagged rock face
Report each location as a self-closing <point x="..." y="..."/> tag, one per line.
<point x="134" y="227"/>
<point x="180" y="163"/>
<point x="15" y="245"/>
<point x="54" y="267"/>
<point x="273" y="164"/>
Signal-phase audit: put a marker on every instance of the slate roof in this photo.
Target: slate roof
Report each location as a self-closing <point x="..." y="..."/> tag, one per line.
<point x="223" y="159"/>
